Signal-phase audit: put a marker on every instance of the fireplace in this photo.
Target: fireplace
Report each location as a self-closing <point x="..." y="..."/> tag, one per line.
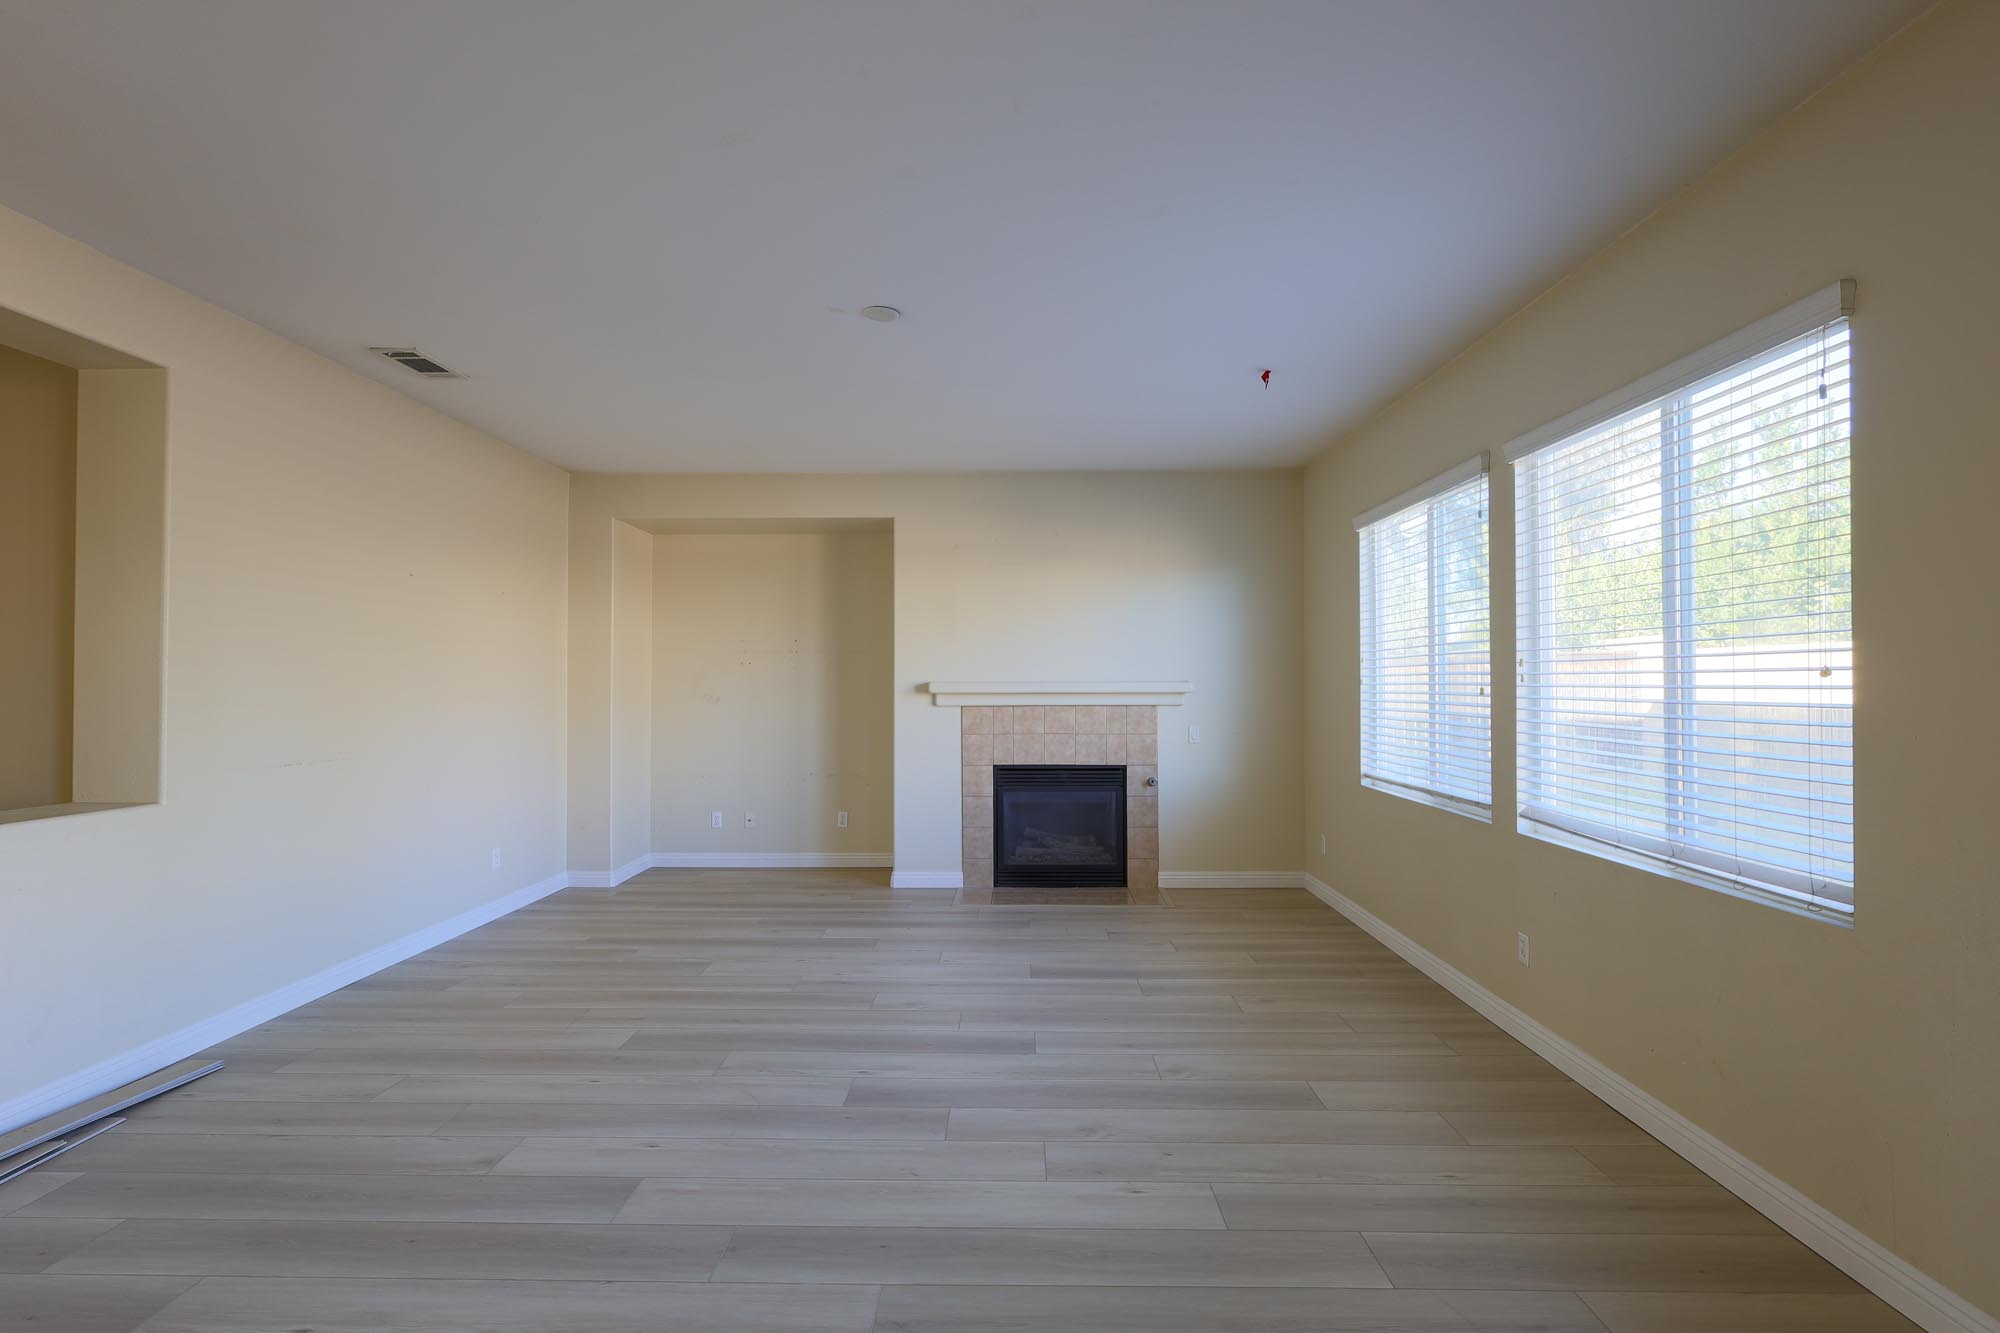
<point x="1058" y="825"/>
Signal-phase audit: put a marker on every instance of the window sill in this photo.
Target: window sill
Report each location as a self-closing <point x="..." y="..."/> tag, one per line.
<point x="1447" y="803"/>
<point x="34" y="812"/>
<point x="1830" y="915"/>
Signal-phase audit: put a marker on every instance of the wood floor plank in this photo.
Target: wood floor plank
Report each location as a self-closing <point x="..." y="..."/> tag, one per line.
<point x="924" y="1203"/>
<point x="1205" y="1126"/>
<point x="792" y="1101"/>
<point x="571" y="1120"/>
<point x="380" y="1249"/>
<point x="1181" y="1309"/>
<point x="346" y="1305"/>
<point x="1591" y="1210"/>
<point x="989" y="1256"/>
<point x="52" y="1304"/>
<point x="776" y="1159"/>
<point x="291" y="1153"/>
<point x="1097" y="1094"/>
<point x="386" y="1198"/>
<point x="1770" y="1263"/>
<point x="31" y="1244"/>
<point x="1730" y="1312"/>
<point x="1339" y="1164"/>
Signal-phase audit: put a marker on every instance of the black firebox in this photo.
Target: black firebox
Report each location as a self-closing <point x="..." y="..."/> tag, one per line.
<point x="1059" y="825"/>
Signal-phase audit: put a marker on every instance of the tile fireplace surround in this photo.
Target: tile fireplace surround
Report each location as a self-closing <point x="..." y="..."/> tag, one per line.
<point x="1127" y="734"/>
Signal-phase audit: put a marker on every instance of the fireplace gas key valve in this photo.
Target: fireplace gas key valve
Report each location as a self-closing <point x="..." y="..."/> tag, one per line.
<point x="1152" y="782"/>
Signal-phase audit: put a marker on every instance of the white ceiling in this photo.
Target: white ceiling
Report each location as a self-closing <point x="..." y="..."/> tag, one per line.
<point x="641" y="230"/>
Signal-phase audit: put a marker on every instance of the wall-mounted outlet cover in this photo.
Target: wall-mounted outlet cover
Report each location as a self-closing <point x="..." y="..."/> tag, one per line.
<point x="749" y="819"/>
<point x="715" y="819"/>
<point x="841" y="819"/>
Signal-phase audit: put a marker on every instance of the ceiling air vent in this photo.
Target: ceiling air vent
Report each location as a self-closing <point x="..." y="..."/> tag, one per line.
<point x="409" y="358"/>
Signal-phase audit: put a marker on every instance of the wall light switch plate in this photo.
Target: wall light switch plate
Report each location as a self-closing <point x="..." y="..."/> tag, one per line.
<point x="841" y="819"/>
<point x="1322" y="844"/>
<point x="496" y="858"/>
<point x="1521" y="947"/>
<point x="715" y="819"/>
<point x="1194" y="733"/>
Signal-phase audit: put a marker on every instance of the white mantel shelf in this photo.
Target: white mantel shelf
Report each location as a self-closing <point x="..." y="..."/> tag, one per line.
<point x="1003" y="693"/>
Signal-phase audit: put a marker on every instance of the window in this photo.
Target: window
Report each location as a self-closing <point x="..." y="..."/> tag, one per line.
<point x="1686" y="673"/>
<point x="1426" y="660"/>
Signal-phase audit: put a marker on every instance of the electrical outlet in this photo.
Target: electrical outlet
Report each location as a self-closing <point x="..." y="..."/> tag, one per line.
<point x="840" y="820"/>
<point x="749" y="819"/>
<point x="1194" y="733"/>
<point x="715" y="819"/>
<point x="1521" y="947"/>
<point x="496" y="858"/>
<point x="1322" y="844"/>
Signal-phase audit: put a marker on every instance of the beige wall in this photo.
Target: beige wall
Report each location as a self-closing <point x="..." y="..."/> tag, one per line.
<point x="773" y="661"/>
<point x="1026" y="577"/>
<point x="1863" y="1066"/>
<point x="37" y="577"/>
<point x="632" y="695"/>
<point x="365" y="691"/>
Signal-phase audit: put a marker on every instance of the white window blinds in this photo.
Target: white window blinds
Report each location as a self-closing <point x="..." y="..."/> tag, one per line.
<point x="1686" y="673"/>
<point x="1426" y="660"/>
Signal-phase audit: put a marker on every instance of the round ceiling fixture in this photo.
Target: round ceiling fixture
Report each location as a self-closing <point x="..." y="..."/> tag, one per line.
<point x="881" y="314"/>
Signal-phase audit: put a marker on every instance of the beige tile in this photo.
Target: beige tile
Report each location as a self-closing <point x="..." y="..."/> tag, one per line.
<point x="976" y="748"/>
<point x="1030" y="748"/>
<point x="1003" y="721"/>
<point x="1090" y="747"/>
<point x="1061" y="746"/>
<point x="1135" y="779"/>
<point x="975" y="721"/>
<point x="976" y="779"/>
<point x="1092" y="718"/>
<point x="1142" y="873"/>
<point x="1143" y="844"/>
<point x="1142" y="749"/>
<point x="979" y="873"/>
<point x="1142" y="811"/>
<point x="1140" y="720"/>
<point x="1003" y="747"/>
<point x="976" y="843"/>
<point x="977" y="811"/>
<point x="1060" y="718"/>
<point x="1114" y="748"/>
<point x="1030" y="720"/>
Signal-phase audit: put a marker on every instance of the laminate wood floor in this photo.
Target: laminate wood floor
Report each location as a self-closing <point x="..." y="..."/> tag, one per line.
<point x="802" y="1101"/>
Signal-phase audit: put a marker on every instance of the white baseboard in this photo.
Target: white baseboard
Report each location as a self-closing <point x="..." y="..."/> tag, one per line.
<point x="161" y="1051"/>
<point x="770" y="860"/>
<point x="1919" y="1297"/>
<point x="927" y="879"/>
<point x="1232" y="879"/>
<point x="611" y="879"/>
